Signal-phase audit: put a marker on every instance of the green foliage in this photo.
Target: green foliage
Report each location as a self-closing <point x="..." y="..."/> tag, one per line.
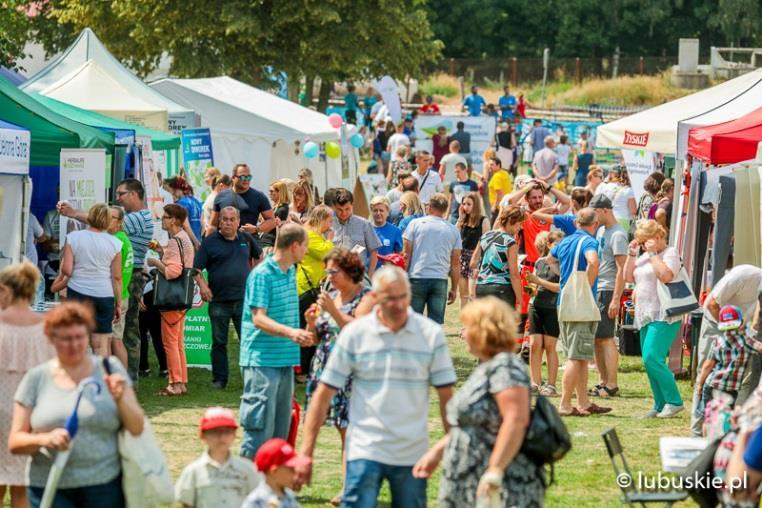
<point x="14" y="31"/>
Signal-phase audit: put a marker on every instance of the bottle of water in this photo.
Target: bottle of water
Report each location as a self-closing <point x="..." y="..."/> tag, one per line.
<point x="39" y="298"/>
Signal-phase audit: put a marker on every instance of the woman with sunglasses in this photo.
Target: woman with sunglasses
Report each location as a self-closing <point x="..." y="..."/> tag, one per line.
<point x="347" y="300"/>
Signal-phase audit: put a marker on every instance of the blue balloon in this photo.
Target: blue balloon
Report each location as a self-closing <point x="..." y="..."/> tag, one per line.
<point x="311" y="150"/>
<point x="357" y="140"/>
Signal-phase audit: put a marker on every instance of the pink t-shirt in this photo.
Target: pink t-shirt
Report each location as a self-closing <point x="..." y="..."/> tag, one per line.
<point x="647" y="306"/>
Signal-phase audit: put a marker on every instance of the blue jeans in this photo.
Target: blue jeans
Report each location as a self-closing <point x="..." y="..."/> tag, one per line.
<point x="220" y="314"/>
<point x="364" y="479"/>
<point x="265" y="406"/>
<point x="105" y="495"/>
<point x="430" y="294"/>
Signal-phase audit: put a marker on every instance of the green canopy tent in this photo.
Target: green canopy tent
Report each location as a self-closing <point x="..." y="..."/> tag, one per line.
<point x="50" y="132"/>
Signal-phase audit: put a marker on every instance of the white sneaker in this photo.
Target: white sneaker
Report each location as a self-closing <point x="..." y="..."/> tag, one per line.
<point x="650" y="414"/>
<point x="669" y="411"/>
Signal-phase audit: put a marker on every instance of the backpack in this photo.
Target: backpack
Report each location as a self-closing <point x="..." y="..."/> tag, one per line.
<point x="547" y="439"/>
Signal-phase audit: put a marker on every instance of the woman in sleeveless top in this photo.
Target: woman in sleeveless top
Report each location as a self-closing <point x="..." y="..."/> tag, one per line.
<point x="472" y="224"/>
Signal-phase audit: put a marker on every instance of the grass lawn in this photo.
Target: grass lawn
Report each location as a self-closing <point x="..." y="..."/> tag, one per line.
<point x="583" y="478"/>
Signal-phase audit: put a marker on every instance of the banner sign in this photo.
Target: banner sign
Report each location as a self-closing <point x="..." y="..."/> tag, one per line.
<point x="389" y="91"/>
<point x="198" y="332"/>
<point x="639" y="164"/>
<point x="179" y="121"/>
<point x="14" y="151"/>
<point x="570" y="129"/>
<point x="83" y="183"/>
<point x="197" y="157"/>
<point x="481" y="129"/>
<point x="149" y="178"/>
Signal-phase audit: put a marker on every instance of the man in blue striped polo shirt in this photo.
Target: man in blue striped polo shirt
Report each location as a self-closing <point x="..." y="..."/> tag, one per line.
<point x="270" y="341"/>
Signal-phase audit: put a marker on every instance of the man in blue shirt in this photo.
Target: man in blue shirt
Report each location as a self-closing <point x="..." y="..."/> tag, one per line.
<point x="474" y="103"/>
<point x="270" y="341"/>
<point x="577" y="338"/>
<point x="538" y="135"/>
<point x="507" y="104"/>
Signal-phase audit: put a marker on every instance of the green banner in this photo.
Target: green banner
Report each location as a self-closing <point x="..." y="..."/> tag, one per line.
<point x="198" y="333"/>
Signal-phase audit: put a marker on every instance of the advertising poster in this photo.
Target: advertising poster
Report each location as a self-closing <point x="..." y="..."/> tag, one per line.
<point x="481" y="128"/>
<point x="181" y="120"/>
<point x="14" y="150"/>
<point x="150" y="180"/>
<point x="83" y="183"/>
<point x="639" y="164"/>
<point x="197" y="157"/>
<point x="198" y="333"/>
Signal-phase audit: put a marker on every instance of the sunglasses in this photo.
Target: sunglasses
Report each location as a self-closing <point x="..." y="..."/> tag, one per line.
<point x="244" y="178"/>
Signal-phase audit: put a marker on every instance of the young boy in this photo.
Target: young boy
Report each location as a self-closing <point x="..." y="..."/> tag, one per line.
<point x="722" y="373"/>
<point x="278" y="461"/>
<point x="217" y="478"/>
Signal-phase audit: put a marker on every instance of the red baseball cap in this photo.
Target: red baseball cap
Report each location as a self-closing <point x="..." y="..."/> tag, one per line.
<point x="278" y="452"/>
<point x="217" y="418"/>
<point x="730" y="318"/>
<point x="395" y="259"/>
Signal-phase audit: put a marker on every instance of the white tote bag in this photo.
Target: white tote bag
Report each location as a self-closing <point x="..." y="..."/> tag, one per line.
<point x="576" y="302"/>
<point x="676" y="297"/>
<point x="145" y="477"/>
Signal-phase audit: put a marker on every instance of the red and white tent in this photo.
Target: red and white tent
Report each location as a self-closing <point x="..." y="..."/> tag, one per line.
<point x="727" y="142"/>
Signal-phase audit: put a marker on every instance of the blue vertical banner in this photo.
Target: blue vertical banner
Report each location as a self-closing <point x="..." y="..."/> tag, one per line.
<point x="197" y="157"/>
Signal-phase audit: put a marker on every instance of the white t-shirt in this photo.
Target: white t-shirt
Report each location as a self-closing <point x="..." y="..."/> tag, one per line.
<point x="433" y="239"/>
<point x="93" y="254"/>
<point x="34" y="230"/>
<point x="428" y="185"/>
<point x="563" y="152"/>
<point x="620" y="197"/>
<point x="449" y="162"/>
<point x="740" y="286"/>
<point x="397" y="140"/>
<point x="391" y="374"/>
<point x="544" y="161"/>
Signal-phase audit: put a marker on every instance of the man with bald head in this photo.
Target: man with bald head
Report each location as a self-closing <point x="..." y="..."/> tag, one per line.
<point x="578" y="251"/>
<point x="228" y="255"/>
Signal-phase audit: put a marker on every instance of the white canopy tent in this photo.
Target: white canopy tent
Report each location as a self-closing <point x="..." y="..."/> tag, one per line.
<point x="88" y="48"/>
<point x="656" y="129"/>
<point x="255" y="127"/>
<point x="15" y="191"/>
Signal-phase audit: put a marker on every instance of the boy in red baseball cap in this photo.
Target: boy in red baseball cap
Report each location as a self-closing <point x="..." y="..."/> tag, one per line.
<point x="217" y="478"/>
<point x="722" y="373"/>
<point x="278" y="461"/>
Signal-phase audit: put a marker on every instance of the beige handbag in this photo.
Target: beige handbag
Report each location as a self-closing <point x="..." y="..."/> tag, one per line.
<point x="576" y="301"/>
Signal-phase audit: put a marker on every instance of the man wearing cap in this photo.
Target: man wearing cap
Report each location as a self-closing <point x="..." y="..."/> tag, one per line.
<point x="217" y="478"/>
<point x="393" y="354"/>
<point x="270" y="341"/>
<point x="613" y="246"/>
<point x="741" y="287"/>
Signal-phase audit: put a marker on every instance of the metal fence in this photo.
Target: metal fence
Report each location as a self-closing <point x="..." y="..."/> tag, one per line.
<point x="528" y="70"/>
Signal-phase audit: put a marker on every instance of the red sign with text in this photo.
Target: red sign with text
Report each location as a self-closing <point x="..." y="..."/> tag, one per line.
<point x="635" y="138"/>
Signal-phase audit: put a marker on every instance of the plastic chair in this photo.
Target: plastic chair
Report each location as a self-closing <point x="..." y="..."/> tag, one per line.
<point x="631" y="495"/>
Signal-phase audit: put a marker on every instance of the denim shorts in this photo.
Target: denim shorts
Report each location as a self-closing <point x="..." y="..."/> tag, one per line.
<point x="103" y="309"/>
<point x="363" y="483"/>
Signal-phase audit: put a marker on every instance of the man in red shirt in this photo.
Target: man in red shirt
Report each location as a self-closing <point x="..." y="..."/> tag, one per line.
<point x="430" y="108"/>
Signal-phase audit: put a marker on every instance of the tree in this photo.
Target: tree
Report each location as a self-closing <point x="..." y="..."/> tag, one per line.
<point x="14" y="32"/>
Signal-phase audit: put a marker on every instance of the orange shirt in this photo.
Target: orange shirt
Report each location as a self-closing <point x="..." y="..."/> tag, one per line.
<point x="532" y="227"/>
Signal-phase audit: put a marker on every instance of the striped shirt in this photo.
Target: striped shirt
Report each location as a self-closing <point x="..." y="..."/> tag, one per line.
<point x="267" y="287"/>
<point x="139" y="228"/>
<point x="391" y="373"/>
<point x="731" y="351"/>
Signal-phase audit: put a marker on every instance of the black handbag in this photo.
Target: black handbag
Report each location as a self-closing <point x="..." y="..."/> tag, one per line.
<point x="174" y="294"/>
<point x="311" y="295"/>
<point x="547" y="439"/>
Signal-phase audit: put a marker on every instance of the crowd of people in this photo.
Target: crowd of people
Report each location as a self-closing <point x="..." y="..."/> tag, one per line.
<point x="353" y="307"/>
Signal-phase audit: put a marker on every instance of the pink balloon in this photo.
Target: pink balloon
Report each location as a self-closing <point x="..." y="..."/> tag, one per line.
<point x="335" y="120"/>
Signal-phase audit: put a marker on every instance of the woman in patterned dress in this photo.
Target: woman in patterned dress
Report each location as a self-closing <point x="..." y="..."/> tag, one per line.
<point x="488" y="416"/>
<point x="334" y="310"/>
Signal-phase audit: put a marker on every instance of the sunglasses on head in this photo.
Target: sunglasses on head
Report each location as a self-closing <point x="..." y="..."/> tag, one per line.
<point x="244" y="178"/>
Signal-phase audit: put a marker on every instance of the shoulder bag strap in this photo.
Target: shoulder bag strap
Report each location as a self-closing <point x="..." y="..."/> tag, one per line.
<point x="306" y="276"/>
<point x="182" y="252"/>
<point x="576" y="255"/>
<point x="428" y="172"/>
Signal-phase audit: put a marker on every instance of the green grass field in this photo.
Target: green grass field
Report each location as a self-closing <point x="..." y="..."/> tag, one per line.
<point x="583" y="478"/>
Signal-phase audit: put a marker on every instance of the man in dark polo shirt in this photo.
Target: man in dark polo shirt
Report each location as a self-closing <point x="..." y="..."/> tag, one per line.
<point x="228" y="255"/>
<point x="250" y="202"/>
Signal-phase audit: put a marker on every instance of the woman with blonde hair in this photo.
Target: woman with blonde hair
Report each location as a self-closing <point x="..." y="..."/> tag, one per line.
<point x="91" y="272"/>
<point x="311" y="271"/>
<point x="543" y="313"/>
<point x="497" y="258"/>
<point x="302" y="202"/>
<point x="659" y="263"/>
<point x="23" y="345"/>
<point x="218" y="184"/>
<point x="594" y="179"/>
<point x="488" y="415"/>
<point x="472" y="224"/>
<point x="279" y="198"/>
<point x="411" y="208"/>
<point x="305" y="175"/>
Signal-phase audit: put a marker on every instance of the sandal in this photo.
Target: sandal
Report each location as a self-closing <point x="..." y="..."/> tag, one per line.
<point x="594" y="409"/>
<point x="169" y="392"/>
<point x="595" y="390"/>
<point x="607" y="392"/>
<point x="574" y="412"/>
<point x="535" y="388"/>
<point x="548" y="390"/>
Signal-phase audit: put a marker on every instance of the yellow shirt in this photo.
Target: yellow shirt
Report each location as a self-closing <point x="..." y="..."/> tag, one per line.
<point x="312" y="263"/>
<point x="500" y="181"/>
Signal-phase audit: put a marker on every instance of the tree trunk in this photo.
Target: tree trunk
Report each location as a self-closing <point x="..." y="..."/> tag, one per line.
<point x="294" y="80"/>
<point x="324" y="95"/>
<point x="309" y="87"/>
